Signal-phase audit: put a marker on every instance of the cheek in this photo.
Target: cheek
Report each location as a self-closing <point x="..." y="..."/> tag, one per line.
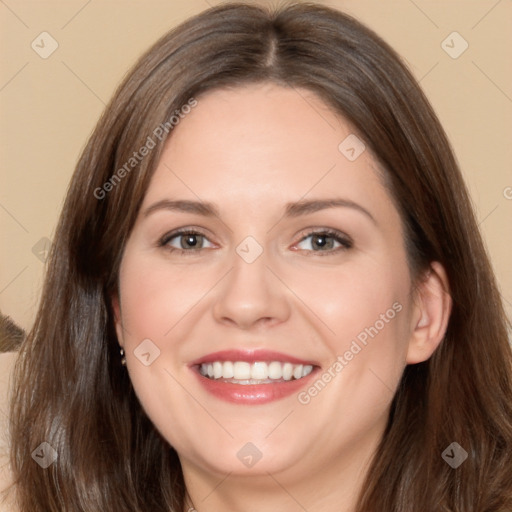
<point x="156" y="296"/>
<point x="355" y="300"/>
<point x="363" y="313"/>
<point x="157" y="300"/>
<point x="354" y="391"/>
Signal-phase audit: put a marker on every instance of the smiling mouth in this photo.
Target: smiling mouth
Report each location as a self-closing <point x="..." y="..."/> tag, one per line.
<point x="258" y="372"/>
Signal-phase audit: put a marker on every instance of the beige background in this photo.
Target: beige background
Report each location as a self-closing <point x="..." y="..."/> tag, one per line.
<point x="49" y="106"/>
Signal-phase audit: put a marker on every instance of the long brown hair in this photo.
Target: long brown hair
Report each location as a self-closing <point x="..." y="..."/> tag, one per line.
<point x="72" y="391"/>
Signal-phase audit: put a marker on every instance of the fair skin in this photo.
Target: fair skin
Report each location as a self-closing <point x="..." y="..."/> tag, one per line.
<point x="250" y="151"/>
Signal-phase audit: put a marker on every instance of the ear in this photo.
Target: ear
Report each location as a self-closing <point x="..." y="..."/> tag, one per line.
<point x="432" y="308"/>
<point x="116" y="308"/>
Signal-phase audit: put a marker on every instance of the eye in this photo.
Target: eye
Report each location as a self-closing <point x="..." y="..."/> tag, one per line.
<point x="326" y="241"/>
<point x="185" y="241"/>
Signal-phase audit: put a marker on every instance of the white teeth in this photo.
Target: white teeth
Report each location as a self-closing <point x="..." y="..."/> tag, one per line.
<point x="275" y="370"/>
<point x="242" y="370"/>
<point x="307" y="370"/>
<point x="259" y="372"/>
<point x="217" y="370"/>
<point x="228" y="371"/>
<point x="287" y="371"/>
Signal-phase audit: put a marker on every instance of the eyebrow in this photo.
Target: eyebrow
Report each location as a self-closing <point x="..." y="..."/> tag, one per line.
<point x="186" y="206"/>
<point x="296" y="209"/>
<point x="304" y="207"/>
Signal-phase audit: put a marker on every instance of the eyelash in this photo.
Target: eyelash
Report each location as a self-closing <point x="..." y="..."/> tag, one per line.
<point x="345" y="241"/>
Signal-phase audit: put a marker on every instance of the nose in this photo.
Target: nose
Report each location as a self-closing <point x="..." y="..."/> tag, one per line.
<point x="251" y="296"/>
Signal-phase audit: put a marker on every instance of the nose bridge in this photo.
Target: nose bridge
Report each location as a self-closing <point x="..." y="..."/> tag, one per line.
<point x="250" y="293"/>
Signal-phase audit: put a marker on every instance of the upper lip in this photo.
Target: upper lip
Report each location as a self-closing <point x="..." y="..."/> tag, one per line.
<point x="251" y="356"/>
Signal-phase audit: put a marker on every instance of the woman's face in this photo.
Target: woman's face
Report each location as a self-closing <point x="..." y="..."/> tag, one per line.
<point x="268" y="254"/>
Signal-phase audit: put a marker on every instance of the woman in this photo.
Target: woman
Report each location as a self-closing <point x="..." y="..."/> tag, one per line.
<point x="267" y="291"/>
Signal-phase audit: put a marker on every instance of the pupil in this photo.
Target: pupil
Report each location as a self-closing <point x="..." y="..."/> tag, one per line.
<point x="321" y="240"/>
<point x="191" y="240"/>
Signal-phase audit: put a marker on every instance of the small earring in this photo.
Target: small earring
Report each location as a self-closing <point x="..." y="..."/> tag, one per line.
<point x="123" y="358"/>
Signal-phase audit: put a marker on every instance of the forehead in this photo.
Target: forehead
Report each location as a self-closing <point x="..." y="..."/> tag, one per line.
<point x="265" y="142"/>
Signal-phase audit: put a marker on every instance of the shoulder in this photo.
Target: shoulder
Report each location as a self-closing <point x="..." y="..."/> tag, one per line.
<point x="7" y="361"/>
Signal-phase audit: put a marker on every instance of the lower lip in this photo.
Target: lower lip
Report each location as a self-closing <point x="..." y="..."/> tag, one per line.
<point x="253" y="394"/>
